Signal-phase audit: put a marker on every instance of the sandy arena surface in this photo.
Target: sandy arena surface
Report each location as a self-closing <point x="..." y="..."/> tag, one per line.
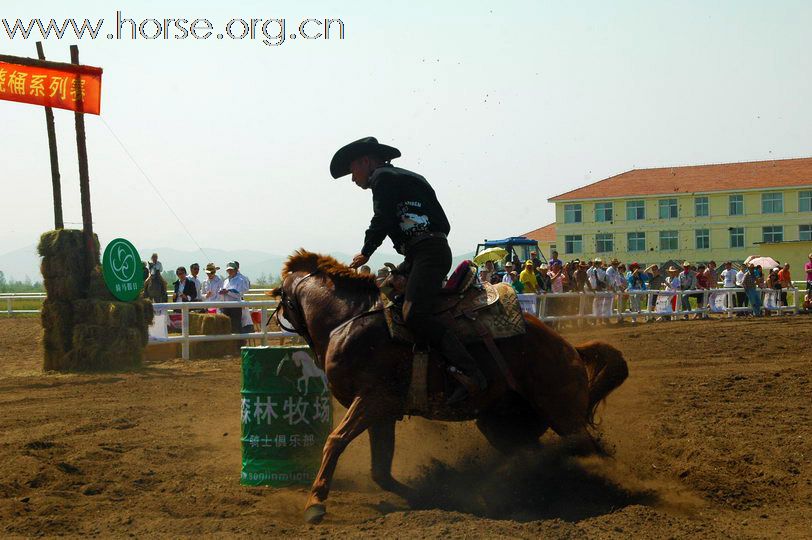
<point x="711" y="437"/>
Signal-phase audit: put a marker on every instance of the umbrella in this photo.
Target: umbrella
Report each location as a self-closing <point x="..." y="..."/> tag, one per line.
<point x="767" y="263"/>
<point x="490" y="254"/>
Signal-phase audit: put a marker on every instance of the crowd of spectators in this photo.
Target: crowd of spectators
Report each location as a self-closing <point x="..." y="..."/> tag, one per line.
<point x="190" y="288"/>
<point x="598" y="275"/>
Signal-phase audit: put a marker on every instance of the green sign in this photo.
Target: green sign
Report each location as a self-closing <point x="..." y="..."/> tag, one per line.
<point x="121" y="266"/>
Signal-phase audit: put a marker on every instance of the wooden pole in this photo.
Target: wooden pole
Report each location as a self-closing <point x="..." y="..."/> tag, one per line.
<point x="84" y="174"/>
<point x="57" y="187"/>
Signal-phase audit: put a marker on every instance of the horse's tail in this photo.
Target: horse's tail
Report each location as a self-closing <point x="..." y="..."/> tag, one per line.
<point x="606" y="369"/>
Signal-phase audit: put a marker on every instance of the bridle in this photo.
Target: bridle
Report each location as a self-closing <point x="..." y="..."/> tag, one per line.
<point x="290" y="303"/>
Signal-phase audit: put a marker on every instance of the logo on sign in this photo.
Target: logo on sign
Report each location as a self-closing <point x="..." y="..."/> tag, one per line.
<point x="120" y="266"/>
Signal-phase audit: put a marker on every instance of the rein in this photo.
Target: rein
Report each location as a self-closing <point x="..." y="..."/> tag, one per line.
<point x="289" y="302"/>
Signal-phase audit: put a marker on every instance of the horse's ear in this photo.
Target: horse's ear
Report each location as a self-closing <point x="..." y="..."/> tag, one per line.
<point x="275" y="292"/>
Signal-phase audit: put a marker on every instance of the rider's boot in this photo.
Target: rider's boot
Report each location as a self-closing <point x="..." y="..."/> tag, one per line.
<point x="463" y="368"/>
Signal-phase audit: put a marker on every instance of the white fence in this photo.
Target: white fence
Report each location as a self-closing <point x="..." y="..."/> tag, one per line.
<point x="647" y="304"/>
<point x="265" y="307"/>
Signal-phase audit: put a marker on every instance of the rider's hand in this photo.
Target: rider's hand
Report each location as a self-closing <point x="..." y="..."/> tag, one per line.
<point x="359" y="260"/>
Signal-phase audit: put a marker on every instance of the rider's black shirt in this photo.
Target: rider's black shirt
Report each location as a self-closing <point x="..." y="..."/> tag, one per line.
<point x="405" y="207"/>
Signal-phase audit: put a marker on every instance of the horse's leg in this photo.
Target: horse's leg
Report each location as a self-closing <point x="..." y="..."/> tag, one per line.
<point x="382" y="446"/>
<point x="511" y="433"/>
<point x="361" y="414"/>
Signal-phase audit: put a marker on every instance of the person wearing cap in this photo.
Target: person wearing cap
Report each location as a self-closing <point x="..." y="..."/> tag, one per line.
<point x="212" y="285"/>
<point x="687" y="282"/>
<point x="509" y="273"/>
<point x="636" y="281"/>
<point x="232" y="290"/>
<point x="406" y="209"/>
<point x="528" y="278"/>
<point x="543" y="279"/>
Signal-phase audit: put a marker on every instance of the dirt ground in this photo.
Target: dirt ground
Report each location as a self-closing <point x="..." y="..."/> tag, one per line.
<point x="710" y="437"/>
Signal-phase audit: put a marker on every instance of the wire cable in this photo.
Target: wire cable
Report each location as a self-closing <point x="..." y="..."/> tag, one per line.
<point x="147" y="178"/>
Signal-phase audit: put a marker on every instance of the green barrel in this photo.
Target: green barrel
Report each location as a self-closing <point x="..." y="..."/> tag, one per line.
<point x="285" y="414"/>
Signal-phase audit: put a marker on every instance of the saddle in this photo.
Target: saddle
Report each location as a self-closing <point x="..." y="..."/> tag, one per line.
<point x="476" y="312"/>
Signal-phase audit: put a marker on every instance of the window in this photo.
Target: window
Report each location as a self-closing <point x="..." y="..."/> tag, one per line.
<point x="572" y="213"/>
<point x="636" y="241"/>
<point x="772" y="234"/>
<point x="635" y="210"/>
<point x="702" y="238"/>
<point x="737" y="237"/>
<point x="804" y="232"/>
<point x="701" y="208"/>
<point x="736" y="205"/>
<point x="668" y="240"/>
<point x="603" y="211"/>
<point x="772" y="203"/>
<point x="573" y="243"/>
<point x="604" y="242"/>
<point x="805" y="201"/>
<point x="668" y="208"/>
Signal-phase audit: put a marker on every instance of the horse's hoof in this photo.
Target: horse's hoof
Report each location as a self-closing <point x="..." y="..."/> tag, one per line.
<point x="314" y="514"/>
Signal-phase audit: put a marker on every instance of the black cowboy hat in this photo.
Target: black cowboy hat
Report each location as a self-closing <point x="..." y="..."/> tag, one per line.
<point x="340" y="164"/>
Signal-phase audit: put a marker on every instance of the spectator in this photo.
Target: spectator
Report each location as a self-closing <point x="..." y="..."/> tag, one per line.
<point x="728" y="276"/>
<point x="702" y="284"/>
<point x="554" y="259"/>
<point x="773" y="283"/>
<point x="712" y="275"/>
<point x="687" y="282"/>
<point x="487" y="272"/>
<point x="365" y="270"/>
<point x="636" y="281"/>
<point x="194" y="269"/>
<point x="750" y="289"/>
<point x="807" y="305"/>
<point x="535" y="258"/>
<point x="233" y="289"/>
<point x="558" y="278"/>
<point x="383" y="273"/>
<point x="741" y="297"/>
<point x="517" y="284"/>
<point x="509" y="273"/>
<point x="184" y="288"/>
<point x="212" y="285"/>
<point x="808" y="270"/>
<point x="785" y="279"/>
<point x="543" y="279"/>
<point x="581" y="278"/>
<point x="656" y="281"/>
<point x="528" y="278"/>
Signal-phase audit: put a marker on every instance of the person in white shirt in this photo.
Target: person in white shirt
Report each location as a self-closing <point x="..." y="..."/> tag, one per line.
<point x="741" y="297"/>
<point x="507" y="278"/>
<point x="210" y="288"/>
<point x="728" y="276"/>
<point x="194" y="270"/>
<point x="232" y="290"/>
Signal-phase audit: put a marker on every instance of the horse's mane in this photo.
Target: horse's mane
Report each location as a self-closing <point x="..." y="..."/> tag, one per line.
<point x="307" y="261"/>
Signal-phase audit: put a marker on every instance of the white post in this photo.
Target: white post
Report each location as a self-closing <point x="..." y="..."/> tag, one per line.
<point x="10" y="309"/>
<point x="542" y="311"/>
<point x="263" y="319"/>
<point x="184" y="330"/>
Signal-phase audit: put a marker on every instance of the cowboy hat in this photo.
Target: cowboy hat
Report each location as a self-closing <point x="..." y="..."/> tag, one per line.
<point x="210" y="268"/>
<point x="673" y="268"/>
<point x="340" y="164"/>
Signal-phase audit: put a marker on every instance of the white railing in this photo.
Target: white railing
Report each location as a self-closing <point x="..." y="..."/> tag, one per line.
<point x="185" y="338"/>
<point x="551" y="307"/>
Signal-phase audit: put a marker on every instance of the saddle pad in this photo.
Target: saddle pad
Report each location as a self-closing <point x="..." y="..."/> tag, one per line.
<point x="495" y="306"/>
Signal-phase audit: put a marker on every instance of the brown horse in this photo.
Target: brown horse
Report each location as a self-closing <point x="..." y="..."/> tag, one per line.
<point x="558" y="386"/>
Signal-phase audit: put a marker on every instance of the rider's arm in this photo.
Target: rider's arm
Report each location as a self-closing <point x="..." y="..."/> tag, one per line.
<point x="384" y="202"/>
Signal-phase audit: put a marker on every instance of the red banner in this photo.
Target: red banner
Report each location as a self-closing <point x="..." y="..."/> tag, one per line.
<point x="49" y="87"/>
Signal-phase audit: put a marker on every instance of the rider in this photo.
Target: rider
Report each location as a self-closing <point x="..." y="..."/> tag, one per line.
<point x="406" y="209"/>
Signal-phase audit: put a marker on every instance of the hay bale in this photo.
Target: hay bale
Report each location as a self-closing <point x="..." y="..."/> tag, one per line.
<point x="209" y="324"/>
<point x="57" y="322"/>
<point x="101" y="348"/>
<point x="85" y="327"/>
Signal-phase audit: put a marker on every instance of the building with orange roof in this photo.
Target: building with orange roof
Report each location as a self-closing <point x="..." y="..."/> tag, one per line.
<point x="698" y="213"/>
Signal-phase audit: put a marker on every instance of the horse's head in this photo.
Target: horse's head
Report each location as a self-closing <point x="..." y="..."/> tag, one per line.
<point x="288" y="312"/>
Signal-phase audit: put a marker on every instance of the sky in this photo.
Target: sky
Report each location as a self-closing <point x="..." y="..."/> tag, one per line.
<point x="500" y="105"/>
